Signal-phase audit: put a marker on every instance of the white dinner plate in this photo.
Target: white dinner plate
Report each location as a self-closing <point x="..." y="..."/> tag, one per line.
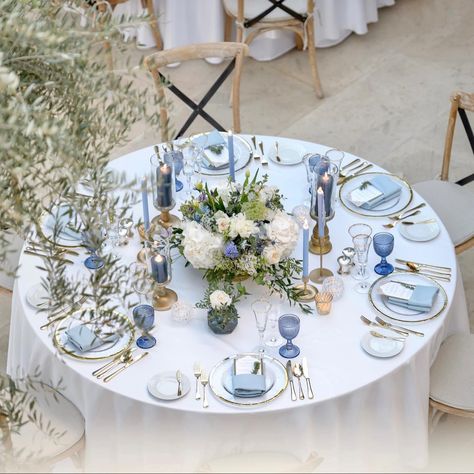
<point x="242" y="155"/>
<point x="399" y="313"/>
<point x="37" y="296"/>
<point x="388" y="208"/>
<point x="379" y="347"/>
<point x="419" y="232"/>
<point x="68" y="237"/>
<point x="164" y="386"/>
<point x="289" y="154"/>
<point x="220" y="375"/>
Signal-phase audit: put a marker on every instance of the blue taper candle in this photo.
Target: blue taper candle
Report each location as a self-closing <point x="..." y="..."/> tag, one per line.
<point x="305" y="248"/>
<point x="230" y="150"/>
<point x="321" y="213"/>
<point x="146" y="212"/>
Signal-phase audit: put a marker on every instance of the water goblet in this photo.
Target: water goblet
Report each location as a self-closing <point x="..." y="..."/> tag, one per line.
<point x="191" y="166"/>
<point x="273" y="338"/>
<point x="383" y="246"/>
<point x="289" y="326"/>
<point x="260" y="309"/>
<point x="92" y="243"/>
<point x="335" y="156"/>
<point x="141" y="281"/>
<point x="361" y="246"/>
<point x="144" y="318"/>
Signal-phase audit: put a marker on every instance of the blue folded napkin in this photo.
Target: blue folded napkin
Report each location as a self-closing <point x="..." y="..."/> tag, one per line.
<point x="212" y="138"/>
<point x="248" y="385"/>
<point x="421" y="299"/>
<point x="387" y="187"/>
<point x="63" y="218"/>
<point x="85" y="339"/>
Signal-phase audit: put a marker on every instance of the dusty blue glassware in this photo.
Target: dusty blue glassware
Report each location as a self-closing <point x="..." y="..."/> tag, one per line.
<point x="178" y="161"/>
<point x="144" y="317"/>
<point x="383" y="246"/>
<point x="93" y="262"/>
<point x="289" y="327"/>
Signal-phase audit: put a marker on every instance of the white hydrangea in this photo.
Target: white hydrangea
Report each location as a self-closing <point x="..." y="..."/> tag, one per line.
<point x="284" y="231"/>
<point x="200" y="247"/>
<point x="219" y="299"/>
<point x="240" y="225"/>
<point x="267" y="193"/>
<point x="272" y="254"/>
<point x="222" y="221"/>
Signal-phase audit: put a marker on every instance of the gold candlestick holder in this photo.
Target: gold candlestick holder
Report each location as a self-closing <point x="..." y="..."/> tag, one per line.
<point x="166" y="219"/>
<point x="317" y="245"/>
<point x="163" y="297"/>
<point x="306" y="292"/>
<point x="318" y="275"/>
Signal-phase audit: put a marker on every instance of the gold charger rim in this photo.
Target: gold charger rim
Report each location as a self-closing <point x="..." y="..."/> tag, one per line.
<point x="443" y="291"/>
<point x="60" y="326"/>
<point x="254" y="404"/>
<point x="225" y="171"/>
<point x="44" y="216"/>
<point x="404" y="181"/>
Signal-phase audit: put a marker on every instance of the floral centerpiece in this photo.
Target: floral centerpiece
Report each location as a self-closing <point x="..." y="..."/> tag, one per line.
<point x="239" y="231"/>
<point x="220" y="300"/>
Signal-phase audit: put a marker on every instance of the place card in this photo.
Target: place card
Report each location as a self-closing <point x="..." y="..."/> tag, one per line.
<point x="396" y="290"/>
<point x="248" y="365"/>
<point x="365" y="193"/>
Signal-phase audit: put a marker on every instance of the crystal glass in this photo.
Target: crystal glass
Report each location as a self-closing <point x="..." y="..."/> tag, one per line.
<point x="260" y="309"/>
<point x="323" y="302"/>
<point x="177" y="157"/>
<point x="289" y="326"/>
<point x="335" y="286"/>
<point x="361" y="246"/>
<point x="324" y="177"/>
<point x="163" y="182"/>
<point x="360" y="229"/>
<point x="182" y="313"/>
<point x="311" y="160"/>
<point x="383" y="246"/>
<point x="301" y="214"/>
<point x="335" y="156"/>
<point x="272" y="336"/>
<point x="141" y="281"/>
<point x="192" y="162"/>
<point x="144" y="318"/>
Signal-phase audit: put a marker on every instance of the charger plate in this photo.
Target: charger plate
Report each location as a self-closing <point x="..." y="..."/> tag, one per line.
<point x="273" y="369"/>
<point x="242" y="153"/>
<point x="406" y="315"/>
<point x="105" y="351"/>
<point x="393" y="206"/>
<point x="67" y="237"/>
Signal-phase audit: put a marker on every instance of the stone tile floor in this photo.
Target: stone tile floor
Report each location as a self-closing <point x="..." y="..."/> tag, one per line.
<point x="387" y="100"/>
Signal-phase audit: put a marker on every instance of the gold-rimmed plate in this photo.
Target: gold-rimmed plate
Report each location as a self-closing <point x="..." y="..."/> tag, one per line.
<point x="219" y="382"/>
<point x="399" y="313"/>
<point x="65" y="217"/>
<point x="385" y="209"/>
<point x="105" y="351"/>
<point x="242" y="153"/>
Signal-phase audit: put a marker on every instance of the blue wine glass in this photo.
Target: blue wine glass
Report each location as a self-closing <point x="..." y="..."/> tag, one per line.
<point x="144" y="318"/>
<point x="93" y="262"/>
<point x="289" y="326"/>
<point x="178" y="167"/>
<point x="383" y="246"/>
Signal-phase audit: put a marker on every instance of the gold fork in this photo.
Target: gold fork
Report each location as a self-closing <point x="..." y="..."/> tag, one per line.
<point x="204" y="382"/>
<point x="395" y="222"/>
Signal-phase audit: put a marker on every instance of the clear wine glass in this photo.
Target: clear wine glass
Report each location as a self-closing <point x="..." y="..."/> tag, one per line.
<point x="273" y="338"/>
<point x="191" y="165"/>
<point x="260" y="309"/>
<point x="141" y="281"/>
<point x="361" y="246"/>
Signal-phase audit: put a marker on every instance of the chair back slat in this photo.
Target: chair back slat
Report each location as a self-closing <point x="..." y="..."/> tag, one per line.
<point x="274" y="5"/>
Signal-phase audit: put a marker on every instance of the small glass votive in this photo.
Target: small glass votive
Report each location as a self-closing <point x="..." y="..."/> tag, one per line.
<point x="335" y="286"/>
<point x="182" y="313"/>
<point x="323" y="303"/>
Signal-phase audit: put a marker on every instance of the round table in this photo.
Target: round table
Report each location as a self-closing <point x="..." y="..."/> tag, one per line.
<point x="366" y="411"/>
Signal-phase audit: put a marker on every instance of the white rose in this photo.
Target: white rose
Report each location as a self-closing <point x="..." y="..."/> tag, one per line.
<point x="272" y="254"/>
<point x="201" y="247"/>
<point x="222" y="221"/>
<point x="267" y="193"/>
<point x="284" y="231"/>
<point x="219" y="299"/>
<point x="240" y="225"/>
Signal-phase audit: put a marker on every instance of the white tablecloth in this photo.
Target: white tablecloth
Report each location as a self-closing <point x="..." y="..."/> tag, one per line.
<point x="366" y="411"/>
<point x="184" y="22"/>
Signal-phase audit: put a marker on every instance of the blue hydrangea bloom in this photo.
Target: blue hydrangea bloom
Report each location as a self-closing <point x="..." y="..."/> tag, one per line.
<point x="231" y="251"/>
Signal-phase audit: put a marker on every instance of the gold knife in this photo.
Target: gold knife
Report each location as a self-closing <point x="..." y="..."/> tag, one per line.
<point x="426" y="265"/>
<point x="125" y="366"/>
<point x="304" y="366"/>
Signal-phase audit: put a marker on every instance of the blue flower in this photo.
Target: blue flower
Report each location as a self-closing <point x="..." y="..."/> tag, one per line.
<point x="205" y="209"/>
<point x="202" y="197"/>
<point x="231" y="251"/>
<point x="197" y="217"/>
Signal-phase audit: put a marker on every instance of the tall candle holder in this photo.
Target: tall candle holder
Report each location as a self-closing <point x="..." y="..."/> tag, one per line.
<point x="164" y="189"/>
<point x="160" y="268"/>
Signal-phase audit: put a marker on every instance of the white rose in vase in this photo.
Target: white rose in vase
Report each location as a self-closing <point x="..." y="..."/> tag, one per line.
<point x="201" y="247"/>
<point x="219" y="299"/>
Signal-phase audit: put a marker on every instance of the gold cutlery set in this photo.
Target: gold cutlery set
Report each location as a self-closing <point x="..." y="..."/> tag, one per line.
<point x="298" y="370"/>
<point x="349" y="170"/>
<point x="202" y="377"/>
<point x="120" y="362"/>
<point x="433" y="271"/>
<point x="256" y="156"/>
<point x="402" y="332"/>
<point x="400" y="218"/>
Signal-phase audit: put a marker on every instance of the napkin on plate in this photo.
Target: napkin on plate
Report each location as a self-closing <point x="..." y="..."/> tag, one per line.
<point x="213" y="160"/>
<point x="63" y="218"/>
<point x="248" y="385"/>
<point x="421" y="298"/>
<point x="85" y="339"/>
<point x="379" y="190"/>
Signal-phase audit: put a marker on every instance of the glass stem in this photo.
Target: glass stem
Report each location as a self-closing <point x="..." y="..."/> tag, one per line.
<point x="289" y="344"/>
<point x="261" y="344"/>
<point x="384" y="261"/>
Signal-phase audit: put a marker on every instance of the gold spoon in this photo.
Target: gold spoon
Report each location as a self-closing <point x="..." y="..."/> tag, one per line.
<point x="381" y="336"/>
<point x="395" y="222"/>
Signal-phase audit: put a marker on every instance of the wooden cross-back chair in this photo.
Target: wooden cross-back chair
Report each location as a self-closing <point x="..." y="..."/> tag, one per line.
<point x="260" y="16"/>
<point x="154" y="62"/>
<point x="453" y="202"/>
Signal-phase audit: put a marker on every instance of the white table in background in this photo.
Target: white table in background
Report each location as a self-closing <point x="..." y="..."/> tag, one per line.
<point x="366" y="411"/>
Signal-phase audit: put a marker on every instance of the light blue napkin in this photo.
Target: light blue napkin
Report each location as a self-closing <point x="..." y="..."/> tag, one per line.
<point x="212" y="138"/>
<point x="62" y="218"/>
<point x="85" y="339"/>
<point x="421" y="299"/>
<point x="248" y="385"/>
<point x="387" y="187"/>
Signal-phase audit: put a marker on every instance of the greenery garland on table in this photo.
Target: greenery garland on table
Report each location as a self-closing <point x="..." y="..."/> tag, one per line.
<point x="240" y="231"/>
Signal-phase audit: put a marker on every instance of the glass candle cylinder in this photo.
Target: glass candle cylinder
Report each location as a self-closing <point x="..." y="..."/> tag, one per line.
<point x="324" y="180"/>
<point x="163" y="182"/>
